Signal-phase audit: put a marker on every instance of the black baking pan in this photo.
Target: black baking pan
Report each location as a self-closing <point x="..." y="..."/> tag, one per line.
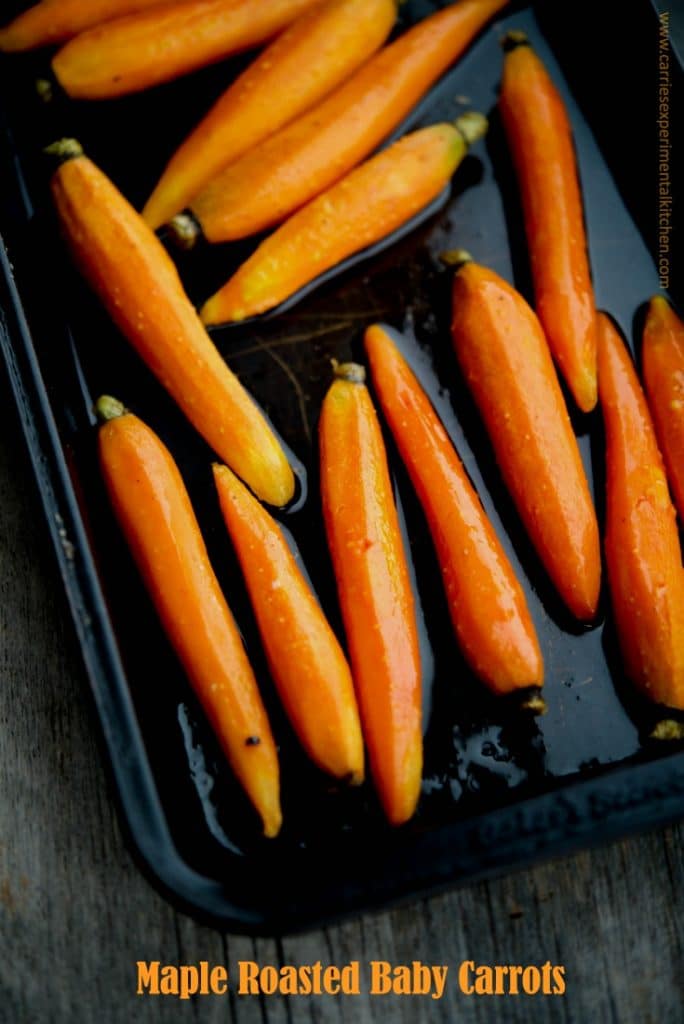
<point x="498" y="791"/>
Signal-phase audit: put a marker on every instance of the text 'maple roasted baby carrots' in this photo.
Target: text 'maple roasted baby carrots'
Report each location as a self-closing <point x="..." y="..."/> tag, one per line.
<point x="304" y="656"/>
<point x="316" y="53"/>
<point x="486" y="602"/>
<point x="131" y="272"/>
<point x="368" y="204"/>
<point x="155" y="514"/>
<point x="54" y="21"/>
<point x="539" y="135"/>
<point x="643" y="552"/>
<point x="663" y="364"/>
<point x="506" y="363"/>
<point x="374" y="589"/>
<point x="304" y="158"/>
<point x="145" y="49"/>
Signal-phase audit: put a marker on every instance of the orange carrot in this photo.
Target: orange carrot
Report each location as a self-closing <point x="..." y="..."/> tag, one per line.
<point x="128" y="267"/>
<point x="643" y="553"/>
<point x="54" y="21"/>
<point x="305" y="659"/>
<point x="506" y="363"/>
<point x="374" y="589"/>
<point x="155" y="514"/>
<point x="663" y="361"/>
<point x="144" y="49"/>
<point x="539" y="134"/>
<point x="301" y="160"/>
<point x="368" y="204"/>
<point x="307" y="61"/>
<point x="486" y="602"/>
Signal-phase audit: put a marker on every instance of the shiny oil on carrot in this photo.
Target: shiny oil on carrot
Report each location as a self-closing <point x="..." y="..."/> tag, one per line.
<point x="154" y="511"/>
<point x="540" y="137"/>
<point x="374" y="589"/>
<point x="306" y="157"/>
<point x="316" y="53"/>
<point x="486" y="602"/>
<point x="663" y="366"/>
<point x="306" y="661"/>
<point x="506" y="363"/>
<point x="129" y="269"/>
<point x="643" y="553"/>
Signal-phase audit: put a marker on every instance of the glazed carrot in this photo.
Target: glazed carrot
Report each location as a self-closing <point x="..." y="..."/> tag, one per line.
<point x="539" y="135"/>
<point x="54" y="21"/>
<point x="305" y="659"/>
<point x="307" y="61"/>
<point x="301" y="160"/>
<point x="663" y="362"/>
<point x="155" y="514"/>
<point x="507" y="366"/>
<point x="643" y="553"/>
<point x="129" y="269"/>
<point x="486" y="602"/>
<point x="144" y="49"/>
<point x="374" y="589"/>
<point x="367" y="205"/>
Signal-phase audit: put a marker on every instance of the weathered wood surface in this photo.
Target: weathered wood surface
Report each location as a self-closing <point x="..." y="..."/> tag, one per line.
<point x="76" y="914"/>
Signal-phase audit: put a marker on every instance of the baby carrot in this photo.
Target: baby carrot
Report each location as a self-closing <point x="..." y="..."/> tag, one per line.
<point x="374" y="589"/>
<point x="507" y="366"/>
<point x="54" y="21"/>
<point x="643" y="553"/>
<point x="155" y="514"/>
<point x="131" y="272"/>
<point x="144" y="49"/>
<point x="663" y="363"/>
<point x="307" y="61"/>
<point x="305" y="659"/>
<point x="539" y="134"/>
<point x="486" y="602"/>
<point x="301" y="160"/>
<point x="368" y="204"/>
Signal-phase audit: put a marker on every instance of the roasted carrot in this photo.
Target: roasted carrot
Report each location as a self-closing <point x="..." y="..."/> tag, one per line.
<point x="368" y="204"/>
<point x="663" y="363"/>
<point x="54" y="21"/>
<point x="540" y="137"/>
<point x="155" y="514"/>
<point x="374" y="589"/>
<point x="507" y="366"/>
<point x="486" y="602"/>
<point x="129" y="269"/>
<point x="306" y="661"/>
<point x="643" y="554"/>
<point x="145" y="49"/>
<point x="303" y="159"/>
<point x="308" y="60"/>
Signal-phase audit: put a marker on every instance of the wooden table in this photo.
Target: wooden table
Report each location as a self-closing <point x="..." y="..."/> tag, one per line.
<point x="76" y="914"/>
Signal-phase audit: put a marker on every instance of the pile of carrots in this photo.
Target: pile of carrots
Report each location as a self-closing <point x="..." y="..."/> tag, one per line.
<point x="290" y="147"/>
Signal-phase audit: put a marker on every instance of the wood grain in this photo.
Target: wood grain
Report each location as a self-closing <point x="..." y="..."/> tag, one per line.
<point x="76" y="914"/>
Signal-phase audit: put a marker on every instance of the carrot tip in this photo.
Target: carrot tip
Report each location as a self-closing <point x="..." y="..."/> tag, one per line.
<point x="668" y="729"/>
<point x="184" y="230"/>
<point x="513" y="39"/>
<point x="455" y="258"/>
<point x="63" y="150"/>
<point x="107" y="408"/>
<point x="471" y="126"/>
<point x="352" y="372"/>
